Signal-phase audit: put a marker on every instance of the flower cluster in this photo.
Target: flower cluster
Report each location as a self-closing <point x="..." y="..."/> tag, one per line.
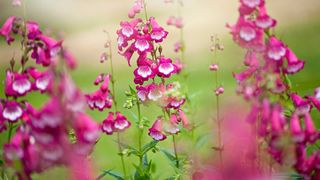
<point x="40" y="139"/>
<point x="144" y="38"/>
<point x="282" y="117"/>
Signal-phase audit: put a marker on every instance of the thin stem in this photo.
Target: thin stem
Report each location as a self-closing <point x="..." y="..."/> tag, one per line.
<point x="175" y="151"/>
<point x="218" y="113"/>
<point x="140" y="132"/>
<point x="10" y="132"/>
<point x="121" y="156"/>
<point x="145" y="9"/>
<point x="115" y="106"/>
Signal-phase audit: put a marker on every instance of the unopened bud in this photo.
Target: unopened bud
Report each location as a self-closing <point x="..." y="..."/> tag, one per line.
<point x="214" y="67"/>
<point x="219" y="91"/>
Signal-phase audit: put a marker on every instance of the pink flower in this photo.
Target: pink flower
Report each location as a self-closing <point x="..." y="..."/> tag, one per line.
<point x="179" y="65"/>
<point x="277" y="119"/>
<point x="244" y="75"/>
<point x="296" y="129"/>
<point x="33" y="30"/>
<point x="108" y="124"/>
<point x="43" y="81"/>
<point x="156" y="131"/>
<point x="264" y="21"/>
<point x="302" y="106"/>
<point x="165" y="67"/>
<point x="247" y="34"/>
<point x="6" y="29"/>
<point x="279" y="86"/>
<point x="137" y="6"/>
<point x="219" y="91"/>
<point x="184" y="119"/>
<point x="171" y="21"/>
<point x="251" y="59"/>
<point x="69" y="59"/>
<point x="52" y="46"/>
<point x="214" y="67"/>
<point x="177" y="46"/>
<point x="128" y="54"/>
<point x="99" y="100"/>
<point x="172" y="125"/>
<point x="121" y="123"/>
<point x="316" y="98"/>
<point x="105" y="84"/>
<point x="252" y="3"/>
<point x="311" y="131"/>
<point x="12" y="111"/>
<point x="294" y="64"/>
<point x="276" y="50"/>
<point x="16" y="2"/>
<point x="144" y="71"/>
<point x="157" y="33"/>
<point x="142" y="44"/>
<point x="21" y="84"/>
<point x="175" y="102"/>
<point x="179" y="22"/>
<point x="86" y="129"/>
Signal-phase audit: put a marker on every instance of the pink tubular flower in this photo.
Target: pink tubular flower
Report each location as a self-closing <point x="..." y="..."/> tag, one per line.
<point x="302" y="106"/>
<point x="251" y="59"/>
<point x="69" y="59"/>
<point x="6" y="29"/>
<point x="156" y="131"/>
<point x="247" y="34"/>
<point x="177" y="47"/>
<point x="316" y="98"/>
<point x="172" y="125"/>
<point x="52" y="46"/>
<point x="12" y="111"/>
<point x="294" y="64"/>
<point x="264" y="21"/>
<point x="252" y="3"/>
<point x="121" y="123"/>
<point x="142" y="44"/>
<point x="179" y="22"/>
<point x="21" y="84"/>
<point x="175" y="102"/>
<point x="311" y="131"/>
<point x="179" y="65"/>
<point x="279" y="86"/>
<point x="184" y="119"/>
<point x="214" y="67"/>
<point x="86" y="129"/>
<point x="136" y="8"/>
<point x="108" y="124"/>
<point x="276" y="50"/>
<point x="166" y="67"/>
<point x="43" y="81"/>
<point x="171" y="21"/>
<point x="219" y="91"/>
<point x="33" y="30"/>
<point x="296" y="129"/>
<point x="157" y="33"/>
<point x="105" y="84"/>
<point x="144" y="71"/>
<point x="99" y="100"/>
<point x="277" y="119"/>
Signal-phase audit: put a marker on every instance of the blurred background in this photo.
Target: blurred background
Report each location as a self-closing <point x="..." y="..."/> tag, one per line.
<point x="81" y="22"/>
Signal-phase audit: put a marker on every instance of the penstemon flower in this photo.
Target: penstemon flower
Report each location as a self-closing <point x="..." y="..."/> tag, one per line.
<point x="281" y="117"/>
<point x="39" y="139"/>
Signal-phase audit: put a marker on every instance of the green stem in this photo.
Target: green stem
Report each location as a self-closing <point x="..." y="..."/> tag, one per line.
<point x="10" y="132"/>
<point x="175" y="151"/>
<point x="121" y="156"/>
<point x="115" y="107"/>
<point x="218" y="113"/>
<point x="140" y="133"/>
<point x="145" y="9"/>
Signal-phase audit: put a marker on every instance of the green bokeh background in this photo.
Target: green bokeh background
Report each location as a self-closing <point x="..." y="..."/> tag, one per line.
<point x="82" y="23"/>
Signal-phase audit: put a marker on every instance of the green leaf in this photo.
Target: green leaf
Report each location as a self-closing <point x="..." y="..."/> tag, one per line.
<point x="149" y="146"/>
<point x="202" y="140"/>
<point x="132" y="90"/>
<point x="110" y="173"/>
<point x="169" y="155"/>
